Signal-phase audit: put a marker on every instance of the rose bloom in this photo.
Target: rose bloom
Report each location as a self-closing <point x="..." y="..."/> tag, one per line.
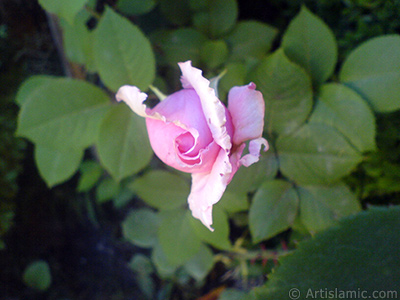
<point x="192" y="131"/>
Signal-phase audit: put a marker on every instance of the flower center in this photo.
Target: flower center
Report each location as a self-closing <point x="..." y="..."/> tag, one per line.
<point x="185" y="142"/>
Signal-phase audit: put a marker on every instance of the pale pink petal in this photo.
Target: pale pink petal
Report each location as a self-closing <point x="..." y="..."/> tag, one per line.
<point x="246" y="106"/>
<point x="134" y="98"/>
<point x="165" y="139"/>
<point x="213" y="109"/>
<point x="254" y="151"/>
<point x="184" y="109"/>
<point x="208" y="188"/>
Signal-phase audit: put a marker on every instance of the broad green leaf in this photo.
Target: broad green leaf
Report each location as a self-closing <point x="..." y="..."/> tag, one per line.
<point x="214" y="53"/>
<point x="161" y="189"/>
<point x="235" y="76"/>
<point x="309" y="42"/>
<point x="198" y="5"/>
<point x="345" y="110"/>
<point x="219" y="238"/>
<point x="218" y="18"/>
<point x="64" y="9"/>
<point x="322" y="206"/>
<point x="287" y="92"/>
<point x="140" y="227"/>
<point x="176" y="11"/>
<point x="37" y="275"/>
<point x="233" y="202"/>
<point x="122" y="53"/>
<point x="200" y="264"/>
<point x="250" y="39"/>
<point x="78" y="41"/>
<point x="57" y="165"/>
<point x="123" y="145"/>
<point x="273" y="210"/>
<point x="247" y="180"/>
<point x="108" y="189"/>
<point x="164" y="267"/>
<point x="181" y="45"/>
<point x="357" y="257"/>
<point x="177" y="237"/>
<point x="316" y="154"/>
<point x="63" y="113"/>
<point x="91" y="172"/>
<point x="373" y="70"/>
<point x="30" y="87"/>
<point x="136" y="7"/>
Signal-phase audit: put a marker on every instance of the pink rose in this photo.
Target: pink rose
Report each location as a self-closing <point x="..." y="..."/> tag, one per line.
<point x="192" y="131"/>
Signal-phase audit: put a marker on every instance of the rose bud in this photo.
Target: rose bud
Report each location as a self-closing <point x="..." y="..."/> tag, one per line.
<point x="192" y="131"/>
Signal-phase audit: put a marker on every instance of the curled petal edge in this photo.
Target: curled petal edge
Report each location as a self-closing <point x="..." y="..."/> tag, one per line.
<point x="213" y="109"/>
<point x="254" y="152"/>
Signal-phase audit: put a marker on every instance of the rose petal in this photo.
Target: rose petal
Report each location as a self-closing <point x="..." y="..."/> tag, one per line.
<point x="163" y="139"/>
<point x="246" y="106"/>
<point x="208" y="188"/>
<point x="254" y="152"/>
<point x="213" y="109"/>
<point x="134" y="98"/>
<point x="184" y="109"/>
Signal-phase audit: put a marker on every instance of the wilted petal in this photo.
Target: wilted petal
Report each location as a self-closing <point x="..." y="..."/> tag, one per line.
<point x="254" y="151"/>
<point x="214" y="111"/>
<point x="208" y="188"/>
<point x="246" y="106"/>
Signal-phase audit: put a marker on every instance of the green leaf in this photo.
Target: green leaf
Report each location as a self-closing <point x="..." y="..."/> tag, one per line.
<point x="63" y="113"/>
<point x="373" y="70"/>
<point x="235" y="76"/>
<point x="37" y="275"/>
<point x="214" y="53"/>
<point x="108" y="189"/>
<point x="177" y="237"/>
<point x="273" y="210"/>
<point x="91" y="172"/>
<point x="57" y="165"/>
<point x="233" y="202"/>
<point x="64" y="9"/>
<point x="136" y="7"/>
<point x="161" y="189"/>
<point x="243" y="43"/>
<point x="219" y="238"/>
<point x="122" y="53"/>
<point x="181" y="45"/>
<point x="247" y="180"/>
<point x="202" y="263"/>
<point x="309" y="42"/>
<point x="78" y="41"/>
<point x="322" y="206"/>
<point x="219" y="17"/>
<point x="123" y="145"/>
<point x="287" y="92"/>
<point x="140" y="227"/>
<point x="316" y="154"/>
<point x="343" y="109"/>
<point x="31" y="87"/>
<point x="164" y="267"/>
<point x="357" y="257"/>
<point x="176" y="11"/>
